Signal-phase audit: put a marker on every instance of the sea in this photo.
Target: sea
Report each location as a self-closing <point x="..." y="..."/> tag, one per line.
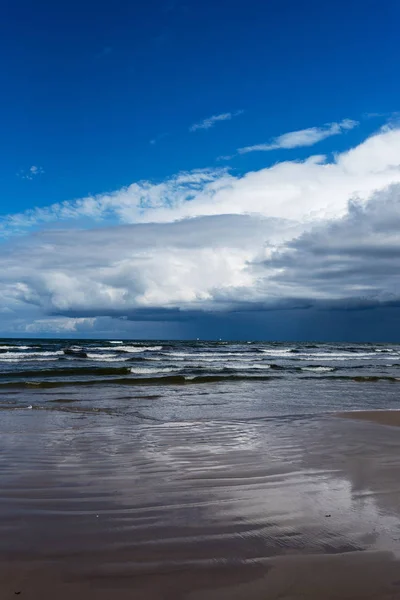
<point x="196" y="380"/>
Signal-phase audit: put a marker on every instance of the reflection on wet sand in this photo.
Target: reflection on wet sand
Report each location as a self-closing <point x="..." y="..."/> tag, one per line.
<point x="275" y="508"/>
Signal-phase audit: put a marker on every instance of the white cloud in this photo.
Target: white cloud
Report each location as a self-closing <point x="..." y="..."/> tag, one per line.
<point x="60" y="325"/>
<point x="303" y="137"/>
<point x="211" y="121"/>
<point x="297" y="232"/>
<point x="30" y="173"/>
<point x="305" y="191"/>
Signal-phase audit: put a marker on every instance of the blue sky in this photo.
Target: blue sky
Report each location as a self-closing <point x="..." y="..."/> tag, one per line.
<point x="89" y="84"/>
<point x="105" y="105"/>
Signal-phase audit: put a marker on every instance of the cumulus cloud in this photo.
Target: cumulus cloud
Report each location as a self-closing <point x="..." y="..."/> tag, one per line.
<point x="302" y="137"/>
<point x="301" y="190"/>
<point x="211" y="121"/>
<point x="214" y="264"/>
<point x="295" y="235"/>
<point x="348" y="262"/>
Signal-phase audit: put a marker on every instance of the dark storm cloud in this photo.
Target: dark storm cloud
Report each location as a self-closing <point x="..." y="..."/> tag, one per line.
<point x="348" y="262"/>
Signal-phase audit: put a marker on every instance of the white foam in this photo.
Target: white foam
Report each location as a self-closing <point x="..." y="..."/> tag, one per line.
<point x="15" y="347"/>
<point x="115" y="342"/>
<point x="29" y="355"/>
<point x="221" y="359"/>
<point x="238" y="366"/>
<point x="327" y="355"/>
<point x="347" y="355"/>
<point x="18" y="360"/>
<point x="274" y="352"/>
<point x="338" y="357"/>
<point x="385" y="350"/>
<point x="318" y="369"/>
<point x="212" y="355"/>
<point x="103" y="357"/>
<point x="134" y="349"/>
<point x="147" y="371"/>
<point x="102" y="348"/>
<point x="252" y="366"/>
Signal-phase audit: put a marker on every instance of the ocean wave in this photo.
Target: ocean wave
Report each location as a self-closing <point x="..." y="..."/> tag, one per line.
<point x="16" y="347"/>
<point x="276" y="352"/>
<point x="136" y="381"/>
<point x="109" y="360"/>
<point x="27" y="360"/>
<point x="245" y="366"/>
<point x="321" y="355"/>
<point x="385" y="350"/>
<point x="138" y="348"/>
<point x="118" y="349"/>
<point x="360" y="378"/>
<point x="29" y="355"/>
<point x="69" y="372"/>
<point x="318" y="369"/>
<point x="329" y="355"/>
<point x="149" y="371"/>
<point x="233" y="362"/>
<point x="210" y="355"/>
<point x="347" y="358"/>
<point x="102" y="348"/>
<point x="102" y="356"/>
<point x="115" y="342"/>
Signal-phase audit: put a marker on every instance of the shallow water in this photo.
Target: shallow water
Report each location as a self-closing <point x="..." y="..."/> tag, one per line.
<point x="196" y="380"/>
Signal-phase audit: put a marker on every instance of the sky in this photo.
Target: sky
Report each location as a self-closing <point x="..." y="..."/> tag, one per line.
<point x="183" y="169"/>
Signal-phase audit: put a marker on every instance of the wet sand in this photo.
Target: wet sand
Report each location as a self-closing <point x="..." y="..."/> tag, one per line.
<point x="290" y="508"/>
<point x="367" y="576"/>
<point x="382" y="417"/>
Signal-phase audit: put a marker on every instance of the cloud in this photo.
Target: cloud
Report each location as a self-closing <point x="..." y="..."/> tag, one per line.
<point x="30" y="173"/>
<point x="303" y="137"/>
<point x="294" y="236"/>
<point x="218" y="264"/>
<point x="60" y="325"/>
<point x="305" y="191"/>
<point x="348" y="262"/>
<point x="211" y="121"/>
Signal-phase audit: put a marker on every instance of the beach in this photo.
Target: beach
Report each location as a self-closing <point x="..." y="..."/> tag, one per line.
<point x="383" y="417"/>
<point x="287" y="508"/>
<point x="252" y="488"/>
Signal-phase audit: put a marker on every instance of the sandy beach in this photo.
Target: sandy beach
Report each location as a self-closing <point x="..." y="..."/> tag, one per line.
<point x="347" y="576"/>
<point x="382" y="417"/>
<point x="287" y="508"/>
